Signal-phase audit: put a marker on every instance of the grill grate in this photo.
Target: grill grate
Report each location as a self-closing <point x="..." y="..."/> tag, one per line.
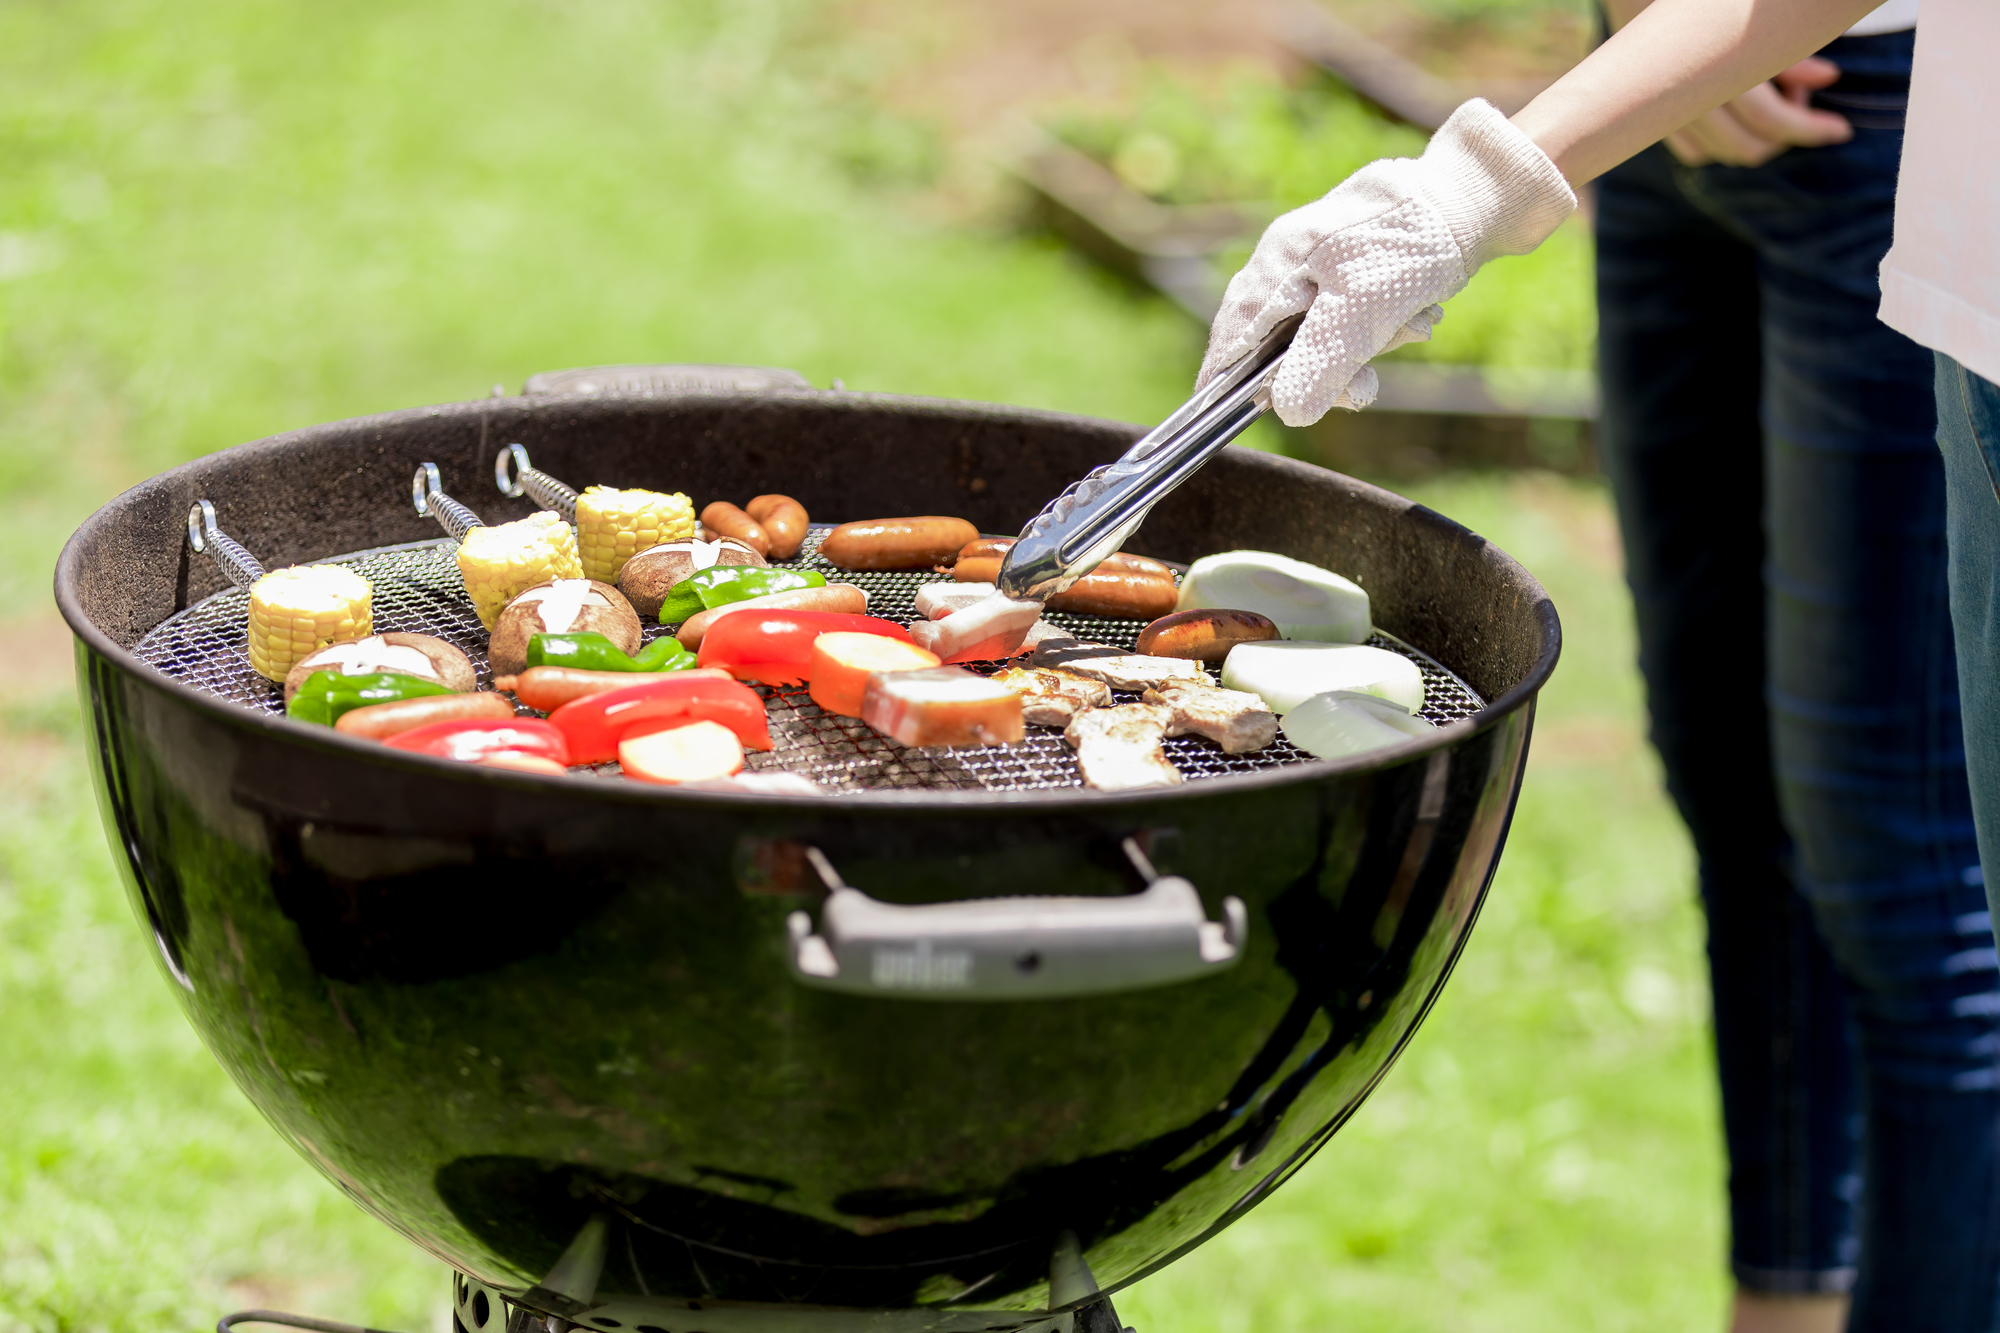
<point x="417" y="589"/>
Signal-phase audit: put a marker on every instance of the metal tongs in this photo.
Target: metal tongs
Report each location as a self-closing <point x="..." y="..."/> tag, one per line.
<point x="1090" y="520"/>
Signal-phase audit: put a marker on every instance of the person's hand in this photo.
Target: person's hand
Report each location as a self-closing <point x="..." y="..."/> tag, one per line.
<point x="1750" y="130"/>
<point x="1369" y="262"/>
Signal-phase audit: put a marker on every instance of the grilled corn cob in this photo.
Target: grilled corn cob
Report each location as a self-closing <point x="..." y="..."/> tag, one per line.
<point x="612" y="526"/>
<point x="300" y="610"/>
<point x="499" y="563"/>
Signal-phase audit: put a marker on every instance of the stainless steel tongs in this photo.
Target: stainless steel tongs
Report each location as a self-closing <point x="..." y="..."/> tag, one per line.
<point x="1087" y="522"/>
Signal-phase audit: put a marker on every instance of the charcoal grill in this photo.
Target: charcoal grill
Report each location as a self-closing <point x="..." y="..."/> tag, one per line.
<point x="550" y="1029"/>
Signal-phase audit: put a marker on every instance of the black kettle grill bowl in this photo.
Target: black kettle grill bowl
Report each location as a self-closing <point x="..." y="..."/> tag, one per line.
<point x="520" y="1017"/>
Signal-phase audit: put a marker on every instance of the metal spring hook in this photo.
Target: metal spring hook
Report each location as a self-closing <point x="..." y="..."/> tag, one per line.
<point x="427" y="494"/>
<point x="236" y="563"/>
<point x="516" y="477"/>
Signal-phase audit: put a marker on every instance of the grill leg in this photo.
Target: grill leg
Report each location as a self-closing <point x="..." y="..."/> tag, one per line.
<point x="1099" y="1317"/>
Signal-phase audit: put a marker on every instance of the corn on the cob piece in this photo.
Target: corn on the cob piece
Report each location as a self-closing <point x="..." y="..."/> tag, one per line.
<point x="298" y="611"/>
<point x="612" y="526"/>
<point x="501" y="562"/>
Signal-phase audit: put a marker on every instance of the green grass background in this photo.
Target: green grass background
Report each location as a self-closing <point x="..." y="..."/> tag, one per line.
<point x="220" y="220"/>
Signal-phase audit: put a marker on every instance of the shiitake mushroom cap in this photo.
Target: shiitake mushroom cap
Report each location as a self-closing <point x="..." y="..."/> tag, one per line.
<point x="451" y="668"/>
<point x="521" y="619"/>
<point x="649" y="576"/>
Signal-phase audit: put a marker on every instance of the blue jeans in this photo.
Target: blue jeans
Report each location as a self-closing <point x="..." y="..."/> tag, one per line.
<point x="1969" y="437"/>
<point x="1769" y="444"/>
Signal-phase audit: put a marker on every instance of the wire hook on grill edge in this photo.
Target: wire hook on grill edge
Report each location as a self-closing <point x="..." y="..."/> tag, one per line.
<point x="427" y="494"/>
<point x="516" y="476"/>
<point x="230" y="556"/>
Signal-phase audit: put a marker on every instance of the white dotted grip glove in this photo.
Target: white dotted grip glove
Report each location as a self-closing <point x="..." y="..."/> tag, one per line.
<point x="1371" y="260"/>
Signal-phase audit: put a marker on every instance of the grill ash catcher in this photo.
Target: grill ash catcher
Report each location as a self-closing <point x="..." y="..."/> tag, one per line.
<point x="958" y="1046"/>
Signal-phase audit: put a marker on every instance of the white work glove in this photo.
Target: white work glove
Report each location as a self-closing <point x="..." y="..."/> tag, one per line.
<point x="1371" y="260"/>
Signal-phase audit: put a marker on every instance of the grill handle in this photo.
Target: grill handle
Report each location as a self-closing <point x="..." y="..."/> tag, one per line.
<point x="1013" y="948"/>
<point x="236" y="563"/>
<point x="1091" y="519"/>
<point x="427" y="494"/>
<point x="516" y="477"/>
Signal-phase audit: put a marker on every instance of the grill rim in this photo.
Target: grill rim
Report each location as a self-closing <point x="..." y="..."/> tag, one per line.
<point x="69" y="574"/>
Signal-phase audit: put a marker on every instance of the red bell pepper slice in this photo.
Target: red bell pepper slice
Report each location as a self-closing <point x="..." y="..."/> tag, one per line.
<point x="775" y="646"/>
<point x="594" y="725"/>
<point x="473" y="739"/>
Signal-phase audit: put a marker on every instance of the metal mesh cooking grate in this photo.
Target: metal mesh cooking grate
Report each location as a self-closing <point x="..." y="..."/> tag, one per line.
<point x="417" y="589"/>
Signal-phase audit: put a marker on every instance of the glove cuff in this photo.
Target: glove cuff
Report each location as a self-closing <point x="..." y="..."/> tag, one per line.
<point x="1498" y="192"/>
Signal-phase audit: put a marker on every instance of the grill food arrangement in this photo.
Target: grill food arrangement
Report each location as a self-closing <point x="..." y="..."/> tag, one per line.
<point x="875" y="1032"/>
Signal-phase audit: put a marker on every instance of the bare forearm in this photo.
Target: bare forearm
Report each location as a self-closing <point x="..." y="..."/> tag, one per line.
<point x="1667" y="65"/>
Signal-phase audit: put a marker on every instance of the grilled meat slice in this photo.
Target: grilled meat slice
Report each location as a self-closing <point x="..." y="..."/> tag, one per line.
<point x="1236" y="721"/>
<point x="1051" y="698"/>
<point x="935" y="601"/>
<point x="1116" y="668"/>
<point x="1118" y="749"/>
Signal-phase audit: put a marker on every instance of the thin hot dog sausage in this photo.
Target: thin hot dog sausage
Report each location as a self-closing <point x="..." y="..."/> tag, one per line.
<point x="896" y="543"/>
<point x="842" y="597"/>
<point x="1123" y="587"/>
<point x="784" y="519"/>
<point x="727" y="520"/>
<point x="982" y="546"/>
<point x="1204" y="636"/>
<point x="378" y="722"/>
<point x="547" y="688"/>
<point x="1119" y="594"/>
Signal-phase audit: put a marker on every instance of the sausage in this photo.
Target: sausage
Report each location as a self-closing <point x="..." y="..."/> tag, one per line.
<point x="980" y="560"/>
<point x="784" y="519"/>
<point x="1119" y="594"/>
<point x="378" y="722"/>
<point x="727" y="520"/>
<point x="1204" y="636"/>
<point x="547" y="688"/>
<point x="896" y="543"/>
<point x="842" y="597"/>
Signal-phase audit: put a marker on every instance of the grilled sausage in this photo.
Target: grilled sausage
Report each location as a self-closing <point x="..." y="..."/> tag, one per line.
<point x="378" y="722"/>
<point x="980" y="560"/>
<point x="547" y="688"/>
<point x="842" y="597"/>
<point x="1119" y="594"/>
<point x="1204" y="636"/>
<point x="727" y="520"/>
<point x="896" y="543"/>
<point x="784" y="519"/>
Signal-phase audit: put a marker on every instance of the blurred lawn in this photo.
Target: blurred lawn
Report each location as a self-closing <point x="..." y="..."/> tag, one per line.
<point x="222" y="220"/>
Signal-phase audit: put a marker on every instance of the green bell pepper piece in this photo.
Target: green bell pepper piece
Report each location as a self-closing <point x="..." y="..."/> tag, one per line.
<point x="664" y="654"/>
<point x="722" y="584"/>
<point x="328" y="694"/>
<point x="586" y="650"/>
<point x="590" y="651"/>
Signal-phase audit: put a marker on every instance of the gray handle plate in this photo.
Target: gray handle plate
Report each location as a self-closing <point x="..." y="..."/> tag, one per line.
<point x="1015" y="948"/>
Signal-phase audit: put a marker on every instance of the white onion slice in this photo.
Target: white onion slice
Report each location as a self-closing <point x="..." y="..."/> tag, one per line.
<point x="1285" y="673"/>
<point x="1340" y="723"/>
<point x="1304" y="601"/>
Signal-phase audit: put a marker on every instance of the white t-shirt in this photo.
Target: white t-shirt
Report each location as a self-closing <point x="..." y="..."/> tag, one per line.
<point x="1891" y="16"/>
<point x="1941" y="278"/>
